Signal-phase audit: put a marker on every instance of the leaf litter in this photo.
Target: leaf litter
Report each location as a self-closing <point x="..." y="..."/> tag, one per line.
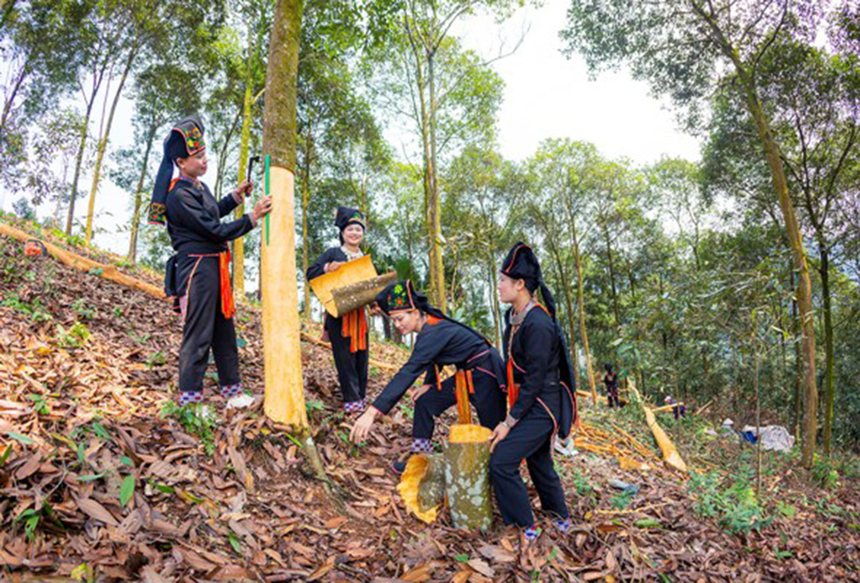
<point x="96" y="480"/>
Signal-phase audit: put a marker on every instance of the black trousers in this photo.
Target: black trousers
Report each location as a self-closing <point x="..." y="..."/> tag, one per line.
<point x="205" y="326"/>
<point x="612" y="398"/>
<point x="351" y="366"/>
<point x="530" y="439"/>
<point x="488" y="399"/>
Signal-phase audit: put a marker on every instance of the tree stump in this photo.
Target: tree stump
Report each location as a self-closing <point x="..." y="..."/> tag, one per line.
<point x="467" y="477"/>
<point x="461" y="476"/>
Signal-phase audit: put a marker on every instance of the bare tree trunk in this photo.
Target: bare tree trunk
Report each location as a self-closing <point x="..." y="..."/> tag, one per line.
<point x="306" y="200"/>
<point x="580" y="300"/>
<point x="829" y="387"/>
<point x="612" y="274"/>
<point x="239" y="244"/>
<point x="437" y="269"/>
<point x="79" y="161"/>
<point x="103" y="142"/>
<point x="138" y="198"/>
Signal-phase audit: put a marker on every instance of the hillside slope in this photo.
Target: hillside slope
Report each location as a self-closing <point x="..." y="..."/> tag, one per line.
<point x="100" y="480"/>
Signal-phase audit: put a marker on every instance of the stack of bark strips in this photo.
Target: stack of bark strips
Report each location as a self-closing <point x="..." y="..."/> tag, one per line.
<point x="630" y="453"/>
<point x="354" y="285"/>
<point x="459" y="476"/>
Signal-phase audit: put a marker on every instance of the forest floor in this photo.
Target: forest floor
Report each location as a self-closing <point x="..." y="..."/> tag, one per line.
<point x="102" y="479"/>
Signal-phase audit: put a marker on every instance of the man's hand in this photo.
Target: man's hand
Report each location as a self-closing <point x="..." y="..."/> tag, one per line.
<point x="418" y="392"/>
<point x="499" y="433"/>
<point x="362" y="426"/>
<point x="262" y="208"/>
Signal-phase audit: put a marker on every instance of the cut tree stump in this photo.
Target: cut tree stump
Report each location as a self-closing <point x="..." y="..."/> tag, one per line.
<point x="467" y="477"/>
<point x="460" y="476"/>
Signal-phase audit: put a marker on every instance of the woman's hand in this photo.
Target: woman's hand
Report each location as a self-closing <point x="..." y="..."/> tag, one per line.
<point x="418" y="392"/>
<point x="242" y="191"/>
<point x="262" y="208"/>
<point x="375" y="310"/>
<point x="362" y="426"/>
<point x="499" y="433"/>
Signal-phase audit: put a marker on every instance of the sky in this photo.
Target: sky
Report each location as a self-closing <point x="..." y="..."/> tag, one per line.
<point x="546" y="96"/>
<point x="550" y="96"/>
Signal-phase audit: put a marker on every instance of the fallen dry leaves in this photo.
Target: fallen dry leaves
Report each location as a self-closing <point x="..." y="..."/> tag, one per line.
<point x="77" y="425"/>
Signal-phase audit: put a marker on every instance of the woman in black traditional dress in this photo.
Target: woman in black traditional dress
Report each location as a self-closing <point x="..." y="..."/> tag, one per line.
<point x="348" y="334"/>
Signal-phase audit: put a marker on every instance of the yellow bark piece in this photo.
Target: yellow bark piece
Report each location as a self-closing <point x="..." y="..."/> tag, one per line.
<point x="349" y="273"/>
<point x="469" y="434"/>
<point x="285" y="400"/>
<point x="410" y="482"/>
<point x="670" y="453"/>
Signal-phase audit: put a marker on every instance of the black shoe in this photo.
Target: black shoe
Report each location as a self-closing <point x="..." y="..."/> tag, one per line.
<point x="397" y="468"/>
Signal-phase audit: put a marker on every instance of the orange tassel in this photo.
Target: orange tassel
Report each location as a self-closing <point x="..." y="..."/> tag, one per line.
<point x="513" y="388"/>
<point x="228" y="308"/>
<point x="354" y="327"/>
<point x="463" y="384"/>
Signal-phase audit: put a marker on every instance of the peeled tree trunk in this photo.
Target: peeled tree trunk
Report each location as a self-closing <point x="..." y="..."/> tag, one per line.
<point x="671" y="457"/>
<point x="284" y="398"/>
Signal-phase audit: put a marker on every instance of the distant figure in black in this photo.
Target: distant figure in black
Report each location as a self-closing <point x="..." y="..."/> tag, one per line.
<point x="610" y="379"/>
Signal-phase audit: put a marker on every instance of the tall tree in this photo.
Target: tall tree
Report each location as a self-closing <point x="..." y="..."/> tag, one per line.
<point x="32" y="37"/>
<point x="285" y="399"/>
<point x="813" y="103"/>
<point x="436" y="73"/>
<point x="162" y="92"/>
<point x="681" y="48"/>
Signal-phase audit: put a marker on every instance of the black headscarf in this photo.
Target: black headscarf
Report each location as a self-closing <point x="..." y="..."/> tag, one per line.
<point x="608" y="368"/>
<point x="184" y="140"/>
<point x="401" y="295"/>
<point x="347" y="216"/>
<point x="522" y="263"/>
